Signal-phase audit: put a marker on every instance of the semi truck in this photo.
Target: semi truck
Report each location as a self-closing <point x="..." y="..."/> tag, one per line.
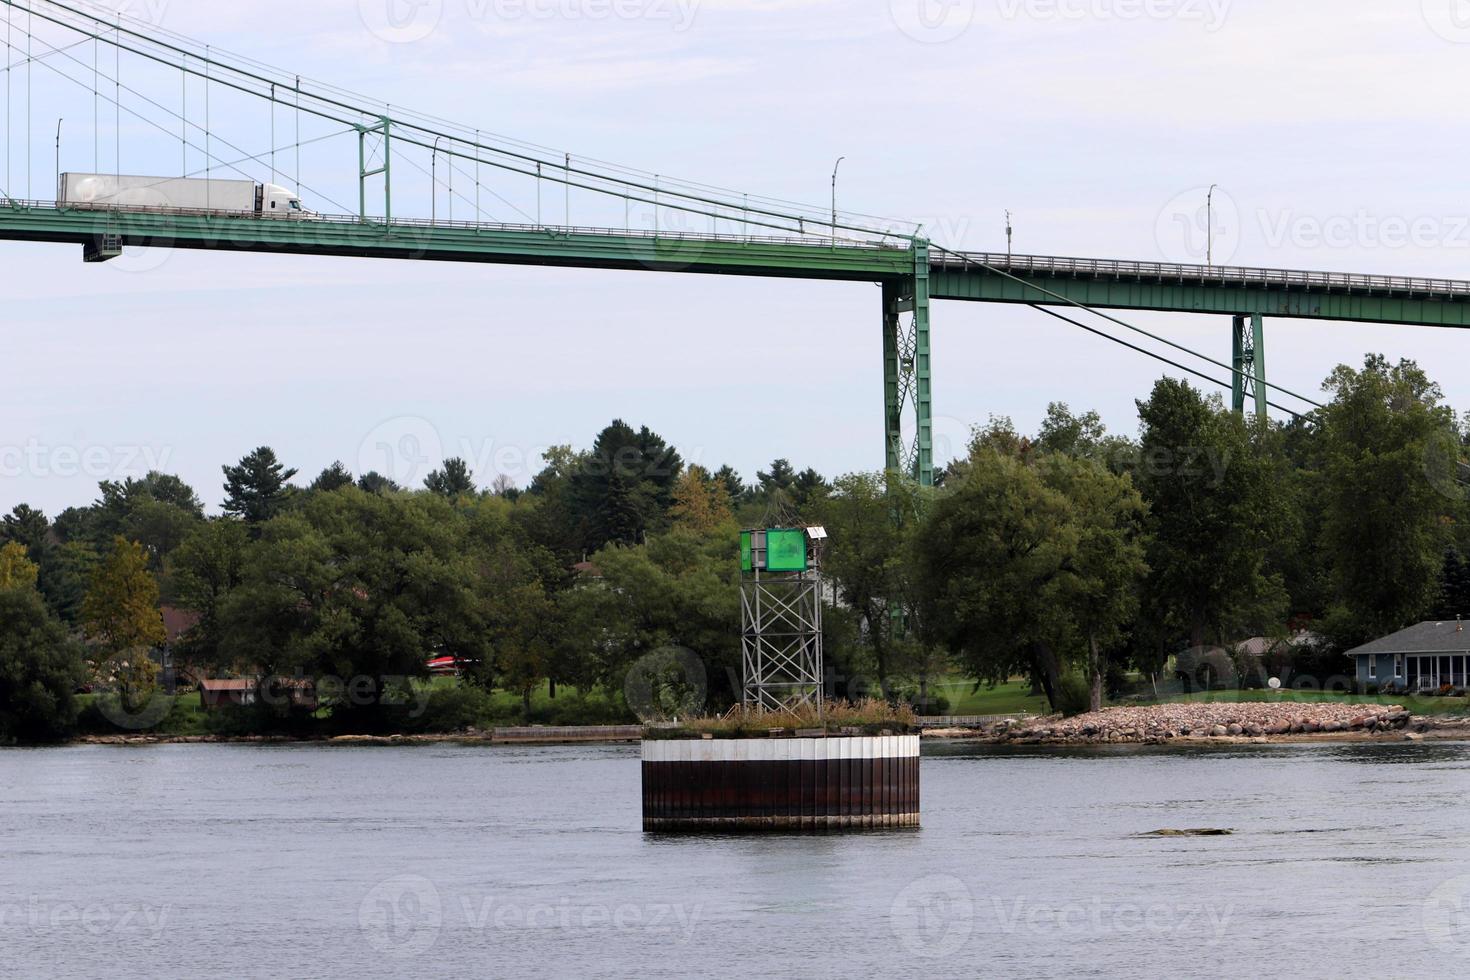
<point x="100" y="191"/>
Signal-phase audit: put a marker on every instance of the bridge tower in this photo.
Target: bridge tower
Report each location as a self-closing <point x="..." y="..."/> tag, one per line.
<point x="907" y="376"/>
<point x="1249" y="379"/>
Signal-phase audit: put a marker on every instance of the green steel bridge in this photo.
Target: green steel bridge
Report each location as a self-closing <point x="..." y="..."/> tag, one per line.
<point x="748" y="236"/>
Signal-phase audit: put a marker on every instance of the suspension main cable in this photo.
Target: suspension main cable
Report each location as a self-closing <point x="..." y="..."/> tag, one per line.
<point x="1067" y="300"/>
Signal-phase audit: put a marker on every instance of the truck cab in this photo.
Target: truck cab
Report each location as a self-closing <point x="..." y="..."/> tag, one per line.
<point x="278" y="202"/>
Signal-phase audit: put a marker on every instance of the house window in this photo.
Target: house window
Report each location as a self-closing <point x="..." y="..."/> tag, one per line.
<point x="1372" y="668"/>
<point x="1398" y="667"/>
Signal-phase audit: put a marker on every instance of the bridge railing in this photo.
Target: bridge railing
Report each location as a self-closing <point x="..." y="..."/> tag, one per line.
<point x="1204" y="274"/>
<point x="808" y="241"/>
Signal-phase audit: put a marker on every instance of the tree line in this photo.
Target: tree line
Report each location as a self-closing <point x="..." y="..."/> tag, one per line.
<point x="1065" y="556"/>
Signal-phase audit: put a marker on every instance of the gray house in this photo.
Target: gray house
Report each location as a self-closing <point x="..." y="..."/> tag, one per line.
<point x="1421" y="658"/>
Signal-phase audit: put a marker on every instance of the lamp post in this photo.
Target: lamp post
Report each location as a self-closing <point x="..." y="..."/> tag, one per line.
<point x="1210" y="227"/>
<point x="58" y="159"/>
<point x="835" y="168"/>
<point x="1008" y="237"/>
<point x="434" y="181"/>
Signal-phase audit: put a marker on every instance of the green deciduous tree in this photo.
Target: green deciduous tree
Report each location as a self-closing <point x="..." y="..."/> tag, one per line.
<point x="1386" y="522"/>
<point x="870" y="519"/>
<point x="208" y="566"/>
<point x="1217" y="505"/>
<point x="40" y="669"/>
<point x="17" y="571"/>
<point x="120" y="611"/>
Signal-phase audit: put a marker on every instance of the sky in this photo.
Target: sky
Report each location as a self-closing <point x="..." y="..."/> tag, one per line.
<point x="1331" y="128"/>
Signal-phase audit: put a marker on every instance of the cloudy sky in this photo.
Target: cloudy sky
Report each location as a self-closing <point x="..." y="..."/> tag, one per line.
<point x="1331" y="126"/>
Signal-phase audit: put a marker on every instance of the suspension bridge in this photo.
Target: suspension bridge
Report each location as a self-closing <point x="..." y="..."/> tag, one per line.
<point x="162" y="104"/>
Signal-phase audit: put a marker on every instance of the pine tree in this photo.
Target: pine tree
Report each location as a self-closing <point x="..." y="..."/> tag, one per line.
<point x="334" y="477"/>
<point x="453" y="481"/>
<point x="258" y="488"/>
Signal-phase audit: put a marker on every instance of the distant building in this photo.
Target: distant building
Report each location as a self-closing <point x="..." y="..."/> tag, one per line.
<point x="1421" y="658"/>
<point x="215" y="694"/>
<point x="298" y="692"/>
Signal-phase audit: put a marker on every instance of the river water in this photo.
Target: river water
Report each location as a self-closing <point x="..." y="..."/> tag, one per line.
<point x="325" y="861"/>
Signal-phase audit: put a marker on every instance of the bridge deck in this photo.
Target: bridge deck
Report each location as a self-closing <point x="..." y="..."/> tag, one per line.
<point x="1170" y="287"/>
<point x="445" y="241"/>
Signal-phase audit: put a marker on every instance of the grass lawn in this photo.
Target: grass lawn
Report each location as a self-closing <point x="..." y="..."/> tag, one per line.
<point x="1419" y="705"/>
<point x="1007" y="699"/>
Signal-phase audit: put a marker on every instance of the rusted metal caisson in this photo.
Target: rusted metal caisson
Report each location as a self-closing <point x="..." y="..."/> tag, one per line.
<point x="781" y="784"/>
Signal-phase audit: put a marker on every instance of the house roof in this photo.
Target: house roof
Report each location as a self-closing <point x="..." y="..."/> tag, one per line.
<point x="1444" y="637"/>
<point x="227" y="685"/>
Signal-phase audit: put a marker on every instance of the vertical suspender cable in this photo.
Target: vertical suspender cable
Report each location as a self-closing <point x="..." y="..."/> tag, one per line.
<point x="29" y="195"/>
<point x="9" y="13"/>
<point x="273" y="132"/>
<point x="184" y="118"/>
<point x="451" y="180"/>
<point x="96" y="110"/>
<point x="569" y="190"/>
<point x="298" y="136"/>
<point x="117" y="99"/>
<point x="208" y="152"/>
<point x="477" y="177"/>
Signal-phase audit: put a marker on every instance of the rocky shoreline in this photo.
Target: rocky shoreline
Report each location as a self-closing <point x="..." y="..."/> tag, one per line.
<point x="1220" y="723"/>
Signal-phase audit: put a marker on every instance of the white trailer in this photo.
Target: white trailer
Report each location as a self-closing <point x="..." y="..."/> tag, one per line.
<point x="106" y="191"/>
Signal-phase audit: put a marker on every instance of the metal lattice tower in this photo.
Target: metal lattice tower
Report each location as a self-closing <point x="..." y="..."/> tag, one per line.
<point x="781" y="618"/>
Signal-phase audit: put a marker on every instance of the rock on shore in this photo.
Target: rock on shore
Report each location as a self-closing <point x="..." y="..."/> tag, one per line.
<point x="1166" y="722"/>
